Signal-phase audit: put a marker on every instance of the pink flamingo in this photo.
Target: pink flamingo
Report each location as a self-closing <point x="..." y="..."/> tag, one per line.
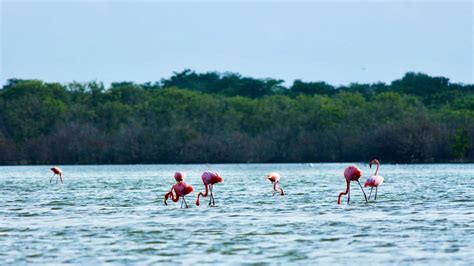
<point x="181" y="189"/>
<point x="209" y="179"/>
<point x="58" y="173"/>
<point x="275" y="179"/>
<point x="352" y="173"/>
<point x="375" y="180"/>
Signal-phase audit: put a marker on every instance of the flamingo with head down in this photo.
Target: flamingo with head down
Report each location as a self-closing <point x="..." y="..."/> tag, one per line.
<point x="374" y="181"/>
<point x="180" y="189"/>
<point x="275" y="179"/>
<point x="58" y="173"/>
<point x="352" y="173"/>
<point x="209" y="179"/>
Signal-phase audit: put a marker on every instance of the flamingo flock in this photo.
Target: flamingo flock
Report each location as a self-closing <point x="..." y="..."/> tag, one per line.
<point x="353" y="173"/>
<point x="181" y="189"/>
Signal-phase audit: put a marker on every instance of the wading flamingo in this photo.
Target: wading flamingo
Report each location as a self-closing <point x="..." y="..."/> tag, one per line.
<point x="352" y="173"/>
<point x="275" y="179"/>
<point x="181" y="189"/>
<point x="58" y="173"/>
<point x="209" y="179"/>
<point x="375" y="180"/>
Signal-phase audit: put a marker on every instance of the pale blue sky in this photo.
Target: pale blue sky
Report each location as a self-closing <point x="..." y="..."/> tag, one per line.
<point x="338" y="42"/>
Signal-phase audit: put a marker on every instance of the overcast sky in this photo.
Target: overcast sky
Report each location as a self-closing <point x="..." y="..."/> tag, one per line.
<point x="338" y="42"/>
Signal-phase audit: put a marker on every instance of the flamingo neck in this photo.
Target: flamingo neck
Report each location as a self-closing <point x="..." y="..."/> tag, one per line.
<point x="203" y="194"/>
<point x="173" y="198"/>
<point x="275" y="184"/>
<point x="171" y="194"/>
<point x="377" y="170"/>
<point x="348" y="187"/>
<point x="167" y="195"/>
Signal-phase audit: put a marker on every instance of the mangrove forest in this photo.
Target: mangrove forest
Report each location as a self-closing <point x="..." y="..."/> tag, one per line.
<point x="228" y="118"/>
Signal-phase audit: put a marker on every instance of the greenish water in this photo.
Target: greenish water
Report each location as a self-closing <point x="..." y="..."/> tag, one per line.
<point x="115" y="214"/>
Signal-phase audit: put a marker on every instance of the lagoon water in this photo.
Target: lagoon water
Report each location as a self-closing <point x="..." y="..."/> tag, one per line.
<point x="115" y="214"/>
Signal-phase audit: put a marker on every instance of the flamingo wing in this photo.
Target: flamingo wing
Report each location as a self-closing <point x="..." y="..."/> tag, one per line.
<point x="374" y="181"/>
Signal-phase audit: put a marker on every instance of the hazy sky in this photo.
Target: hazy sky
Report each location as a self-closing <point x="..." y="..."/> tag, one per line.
<point x="338" y="42"/>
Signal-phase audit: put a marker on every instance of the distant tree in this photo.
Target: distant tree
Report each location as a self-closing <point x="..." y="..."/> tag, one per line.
<point x="311" y="88"/>
<point x="224" y="117"/>
<point x="420" y="84"/>
<point x="31" y="108"/>
<point x="460" y="144"/>
<point x="229" y="84"/>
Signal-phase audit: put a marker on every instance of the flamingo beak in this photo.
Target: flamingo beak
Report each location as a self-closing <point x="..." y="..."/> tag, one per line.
<point x="370" y="165"/>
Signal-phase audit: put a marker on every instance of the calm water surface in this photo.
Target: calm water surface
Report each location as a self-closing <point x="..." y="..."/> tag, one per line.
<point x="115" y="214"/>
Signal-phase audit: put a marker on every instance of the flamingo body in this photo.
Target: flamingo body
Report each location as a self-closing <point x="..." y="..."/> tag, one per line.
<point x="374" y="181"/>
<point x="209" y="179"/>
<point x="352" y="173"/>
<point x="57" y="170"/>
<point x="273" y="177"/>
<point x="180" y="189"/>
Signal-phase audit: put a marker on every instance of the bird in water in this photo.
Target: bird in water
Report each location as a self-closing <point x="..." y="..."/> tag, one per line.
<point x="275" y="179"/>
<point x="58" y="173"/>
<point x="352" y="173"/>
<point x="374" y="181"/>
<point x="180" y="189"/>
<point x="209" y="179"/>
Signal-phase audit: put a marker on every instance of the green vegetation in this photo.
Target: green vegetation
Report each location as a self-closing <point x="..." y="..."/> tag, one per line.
<point x="227" y="118"/>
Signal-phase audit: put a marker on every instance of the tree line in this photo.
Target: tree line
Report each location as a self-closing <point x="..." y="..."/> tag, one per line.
<point x="226" y="118"/>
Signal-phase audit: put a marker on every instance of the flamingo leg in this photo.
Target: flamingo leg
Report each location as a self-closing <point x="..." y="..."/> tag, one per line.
<point x="365" y="196"/>
<point x="376" y="188"/>
<point x="57" y="179"/>
<point x="371" y="191"/>
<point x="182" y="202"/>
<point x="210" y="196"/>
<point x="185" y="202"/>
<point x="348" y="196"/>
<point x="214" y="200"/>
<point x="51" y="179"/>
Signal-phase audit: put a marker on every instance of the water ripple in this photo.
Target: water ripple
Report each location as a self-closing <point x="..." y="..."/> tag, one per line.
<point x="115" y="215"/>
